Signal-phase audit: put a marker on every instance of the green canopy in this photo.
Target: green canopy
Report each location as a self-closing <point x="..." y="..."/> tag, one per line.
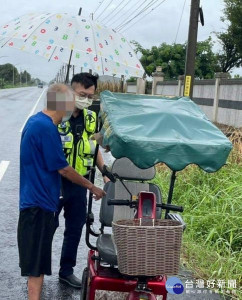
<point x="150" y="129"/>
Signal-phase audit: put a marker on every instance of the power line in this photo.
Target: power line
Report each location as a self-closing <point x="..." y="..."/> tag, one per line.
<point x="132" y="12"/>
<point x="133" y="9"/>
<point x="170" y="57"/>
<point x="150" y="4"/>
<point x="113" y="10"/>
<point x="118" y="11"/>
<point x="180" y="21"/>
<point x="98" y="6"/>
<point x="142" y="16"/>
<point x="104" y="9"/>
<point x="135" y="12"/>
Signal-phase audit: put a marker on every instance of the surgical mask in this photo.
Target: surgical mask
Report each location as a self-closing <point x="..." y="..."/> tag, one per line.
<point x="82" y="102"/>
<point x="67" y="116"/>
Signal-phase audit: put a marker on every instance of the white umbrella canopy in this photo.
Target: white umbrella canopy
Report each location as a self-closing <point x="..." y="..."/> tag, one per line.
<point x="53" y="36"/>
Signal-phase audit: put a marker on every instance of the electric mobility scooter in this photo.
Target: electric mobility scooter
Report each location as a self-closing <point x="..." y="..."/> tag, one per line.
<point x="134" y="262"/>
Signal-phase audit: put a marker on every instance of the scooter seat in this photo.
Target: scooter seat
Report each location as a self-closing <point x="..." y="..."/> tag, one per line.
<point x="107" y="249"/>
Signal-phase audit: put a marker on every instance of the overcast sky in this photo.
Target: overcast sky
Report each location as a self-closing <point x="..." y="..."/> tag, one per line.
<point x="158" y="26"/>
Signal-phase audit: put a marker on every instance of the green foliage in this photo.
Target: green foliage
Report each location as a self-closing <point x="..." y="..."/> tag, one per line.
<point x="9" y="76"/>
<point x="172" y="59"/>
<point x="233" y="14"/>
<point x="213" y="213"/>
<point x="237" y="76"/>
<point x="229" y="57"/>
<point x="131" y="79"/>
<point x="25" y="77"/>
<point x="206" y="60"/>
<point x="6" y="72"/>
<point x="231" y="40"/>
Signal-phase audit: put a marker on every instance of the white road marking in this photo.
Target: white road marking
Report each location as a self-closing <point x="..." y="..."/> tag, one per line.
<point x="3" y="167"/>
<point x="32" y="111"/>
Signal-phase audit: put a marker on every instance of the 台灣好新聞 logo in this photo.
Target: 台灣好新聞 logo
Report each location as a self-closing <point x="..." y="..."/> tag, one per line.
<point x="174" y="286"/>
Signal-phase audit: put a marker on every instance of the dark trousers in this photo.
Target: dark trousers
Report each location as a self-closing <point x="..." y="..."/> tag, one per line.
<point x="74" y="204"/>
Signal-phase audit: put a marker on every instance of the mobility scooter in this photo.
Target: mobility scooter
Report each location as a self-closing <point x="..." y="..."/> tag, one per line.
<point x="134" y="261"/>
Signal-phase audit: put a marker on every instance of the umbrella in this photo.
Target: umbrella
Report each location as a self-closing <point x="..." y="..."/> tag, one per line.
<point x="81" y="41"/>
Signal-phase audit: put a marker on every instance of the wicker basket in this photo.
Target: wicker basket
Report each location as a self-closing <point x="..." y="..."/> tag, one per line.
<point x="148" y="250"/>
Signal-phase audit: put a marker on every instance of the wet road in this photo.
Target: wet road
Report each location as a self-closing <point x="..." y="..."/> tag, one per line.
<point x="15" y="107"/>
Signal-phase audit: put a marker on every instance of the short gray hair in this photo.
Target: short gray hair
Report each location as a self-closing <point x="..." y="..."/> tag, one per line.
<point x="58" y="97"/>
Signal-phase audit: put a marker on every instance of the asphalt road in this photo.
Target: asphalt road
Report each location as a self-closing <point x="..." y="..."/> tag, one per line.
<point x="16" y="105"/>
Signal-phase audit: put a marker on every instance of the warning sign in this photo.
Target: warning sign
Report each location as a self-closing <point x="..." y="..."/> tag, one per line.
<point x="187" y="86"/>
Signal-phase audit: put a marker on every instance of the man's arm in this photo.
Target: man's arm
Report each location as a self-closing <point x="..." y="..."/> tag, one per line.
<point x="70" y="173"/>
<point x="100" y="163"/>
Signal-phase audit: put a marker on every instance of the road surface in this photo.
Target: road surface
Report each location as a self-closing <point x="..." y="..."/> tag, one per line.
<point x="16" y="105"/>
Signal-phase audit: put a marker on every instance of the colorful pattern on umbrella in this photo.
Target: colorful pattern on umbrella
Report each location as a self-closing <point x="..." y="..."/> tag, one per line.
<point x="53" y="36"/>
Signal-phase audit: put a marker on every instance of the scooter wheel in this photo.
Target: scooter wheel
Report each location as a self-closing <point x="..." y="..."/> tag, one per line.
<point x="84" y="284"/>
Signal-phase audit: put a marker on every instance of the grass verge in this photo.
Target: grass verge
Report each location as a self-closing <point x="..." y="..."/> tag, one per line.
<point x="213" y="214"/>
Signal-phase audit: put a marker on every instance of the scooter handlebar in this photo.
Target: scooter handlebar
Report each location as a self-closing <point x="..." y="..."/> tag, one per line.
<point x="170" y="207"/>
<point x="119" y="202"/>
<point x="106" y="172"/>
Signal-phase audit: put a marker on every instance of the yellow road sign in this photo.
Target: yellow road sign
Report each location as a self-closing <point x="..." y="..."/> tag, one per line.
<point x="187" y="86"/>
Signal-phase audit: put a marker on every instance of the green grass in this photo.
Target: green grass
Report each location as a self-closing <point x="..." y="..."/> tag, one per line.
<point x="213" y="214"/>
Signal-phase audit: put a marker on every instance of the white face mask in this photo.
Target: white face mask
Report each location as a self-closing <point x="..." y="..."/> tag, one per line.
<point x="82" y="102"/>
<point x="67" y="116"/>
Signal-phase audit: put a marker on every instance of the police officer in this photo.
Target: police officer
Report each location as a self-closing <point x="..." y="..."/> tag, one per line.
<point x="79" y="150"/>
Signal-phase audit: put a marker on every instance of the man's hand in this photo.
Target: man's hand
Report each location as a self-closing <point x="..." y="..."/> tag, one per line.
<point x="72" y="175"/>
<point x="106" y="179"/>
<point x="97" y="192"/>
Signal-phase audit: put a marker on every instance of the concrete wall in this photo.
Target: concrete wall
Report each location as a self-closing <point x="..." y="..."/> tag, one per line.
<point x="131" y="87"/>
<point x="230" y="97"/>
<point x="171" y="88"/>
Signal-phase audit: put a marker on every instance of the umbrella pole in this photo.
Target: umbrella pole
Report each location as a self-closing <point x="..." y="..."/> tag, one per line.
<point x="69" y="63"/>
<point x="90" y="215"/>
<point x="170" y="194"/>
<point x="68" y="68"/>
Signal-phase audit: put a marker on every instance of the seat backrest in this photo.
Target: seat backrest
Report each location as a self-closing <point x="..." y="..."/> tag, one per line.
<point x="117" y="191"/>
<point x="127" y="170"/>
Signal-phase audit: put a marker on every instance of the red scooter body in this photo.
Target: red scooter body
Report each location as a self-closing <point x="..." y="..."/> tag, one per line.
<point x="102" y="278"/>
<point x="109" y="279"/>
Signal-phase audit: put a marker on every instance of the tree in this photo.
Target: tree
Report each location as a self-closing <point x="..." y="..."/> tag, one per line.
<point x="15" y="75"/>
<point x="229" y="56"/>
<point x="172" y="59"/>
<point x="206" y="60"/>
<point x="9" y="74"/>
<point x="237" y="76"/>
<point x="6" y="72"/>
<point x="25" y="77"/>
<point x="233" y="14"/>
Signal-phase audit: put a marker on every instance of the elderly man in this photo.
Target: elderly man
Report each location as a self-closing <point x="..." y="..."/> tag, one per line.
<point x="42" y="161"/>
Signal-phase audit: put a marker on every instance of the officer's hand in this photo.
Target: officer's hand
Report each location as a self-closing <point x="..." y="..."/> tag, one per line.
<point x="107" y="149"/>
<point x="97" y="192"/>
<point x="98" y="137"/>
<point x="106" y="179"/>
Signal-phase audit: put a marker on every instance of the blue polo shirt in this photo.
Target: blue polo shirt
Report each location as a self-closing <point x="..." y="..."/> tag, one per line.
<point x="41" y="156"/>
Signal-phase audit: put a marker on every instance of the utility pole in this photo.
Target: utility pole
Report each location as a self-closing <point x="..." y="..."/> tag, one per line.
<point x="191" y="49"/>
